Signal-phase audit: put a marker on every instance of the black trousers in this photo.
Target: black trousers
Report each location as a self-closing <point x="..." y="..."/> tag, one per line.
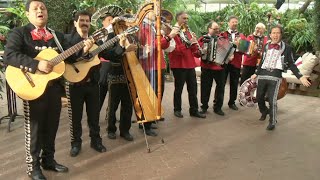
<point x="247" y="72"/>
<point x="182" y="76"/>
<point x="119" y="92"/>
<point x="103" y="81"/>
<point x="234" y="81"/>
<point x="207" y="76"/>
<point x="154" y="84"/>
<point x="268" y="86"/>
<point x="86" y="93"/>
<point x="41" y="124"/>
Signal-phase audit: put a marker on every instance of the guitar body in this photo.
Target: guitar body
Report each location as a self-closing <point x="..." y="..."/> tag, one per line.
<point x="84" y="67"/>
<point x="22" y="87"/>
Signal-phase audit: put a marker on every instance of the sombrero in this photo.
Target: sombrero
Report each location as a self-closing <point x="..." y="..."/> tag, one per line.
<point x="111" y="10"/>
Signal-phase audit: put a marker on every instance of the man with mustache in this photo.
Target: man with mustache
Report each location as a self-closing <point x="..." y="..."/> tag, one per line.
<point x="42" y="114"/>
<point x="84" y="92"/>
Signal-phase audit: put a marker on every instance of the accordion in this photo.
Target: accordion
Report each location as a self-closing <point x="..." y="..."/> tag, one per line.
<point x="217" y="50"/>
<point x="246" y="47"/>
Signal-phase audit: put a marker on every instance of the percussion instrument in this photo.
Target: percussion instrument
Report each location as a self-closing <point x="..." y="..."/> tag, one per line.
<point x="247" y="92"/>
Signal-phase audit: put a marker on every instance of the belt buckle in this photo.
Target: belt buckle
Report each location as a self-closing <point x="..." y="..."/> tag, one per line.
<point x="269" y="69"/>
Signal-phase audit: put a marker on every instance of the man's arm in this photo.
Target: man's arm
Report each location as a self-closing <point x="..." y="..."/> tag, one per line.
<point x="14" y="55"/>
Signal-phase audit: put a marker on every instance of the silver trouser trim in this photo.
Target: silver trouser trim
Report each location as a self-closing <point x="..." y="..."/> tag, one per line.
<point x="69" y="110"/>
<point x="27" y="130"/>
<point x="275" y="95"/>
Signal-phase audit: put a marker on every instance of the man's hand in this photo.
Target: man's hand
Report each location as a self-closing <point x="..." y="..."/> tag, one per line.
<point x="254" y="76"/>
<point x="88" y="43"/>
<point x="174" y="31"/>
<point x="45" y="66"/>
<point x="304" y="80"/>
<point x="131" y="47"/>
<point x="231" y="57"/>
<point x="194" y="38"/>
<point x="115" y="20"/>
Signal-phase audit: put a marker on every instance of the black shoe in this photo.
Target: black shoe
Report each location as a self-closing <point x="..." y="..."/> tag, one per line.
<point x="127" y="136"/>
<point x="112" y="135"/>
<point x="98" y="146"/>
<point x="75" y="150"/>
<point x="178" y="114"/>
<point x="54" y="166"/>
<point x="197" y="114"/>
<point x="264" y="115"/>
<point x="36" y="174"/>
<point x="153" y="126"/>
<point x="150" y="132"/>
<point x="271" y="125"/>
<point x="233" y="106"/>
<point x="219" y="112"/>
<point x="203" y="111"/>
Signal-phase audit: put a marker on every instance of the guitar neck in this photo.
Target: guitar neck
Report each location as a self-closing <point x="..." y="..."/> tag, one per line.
<point x="64" y="55"/>
<point x="105" y="45"/>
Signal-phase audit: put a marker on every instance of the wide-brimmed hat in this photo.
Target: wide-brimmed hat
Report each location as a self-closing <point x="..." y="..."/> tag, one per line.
<point x="111" y="10"/>
<point x="166" y="15"/>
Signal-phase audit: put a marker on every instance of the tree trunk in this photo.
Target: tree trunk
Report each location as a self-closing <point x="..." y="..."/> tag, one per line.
<point x="305" y="6"/>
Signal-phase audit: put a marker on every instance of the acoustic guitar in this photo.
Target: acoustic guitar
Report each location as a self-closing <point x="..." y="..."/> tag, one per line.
<point x="29" y="86"/>
<point x="76" y="72"/>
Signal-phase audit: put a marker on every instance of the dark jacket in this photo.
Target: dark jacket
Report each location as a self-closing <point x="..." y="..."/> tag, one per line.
<point x="21" y="50"/>
<point x="115" y="55"/>
<point x="73" y="39"/>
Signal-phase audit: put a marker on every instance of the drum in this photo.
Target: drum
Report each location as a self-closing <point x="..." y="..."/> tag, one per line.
<point x="247" y="92"/>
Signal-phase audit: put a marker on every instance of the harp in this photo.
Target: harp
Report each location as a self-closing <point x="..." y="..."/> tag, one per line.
<point x="146" y="103"/>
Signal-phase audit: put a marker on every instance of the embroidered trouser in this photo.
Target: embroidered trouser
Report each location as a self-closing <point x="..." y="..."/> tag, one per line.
<point x="41" y="124"/>
<point x="268" y="86"/>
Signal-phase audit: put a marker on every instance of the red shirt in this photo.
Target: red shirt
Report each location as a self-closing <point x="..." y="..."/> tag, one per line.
<point x="236" y="61"/>
<point x="183" y="57"/>
<point x="147" y="37"/>
<point x="212" y="66"/>
<point x="252" y="60"/>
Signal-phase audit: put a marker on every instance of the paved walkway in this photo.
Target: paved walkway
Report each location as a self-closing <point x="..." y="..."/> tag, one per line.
<point x="233" y="147"/>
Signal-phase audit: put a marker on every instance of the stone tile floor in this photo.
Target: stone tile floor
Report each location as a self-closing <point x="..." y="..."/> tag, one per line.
<point x="233" y="147"/>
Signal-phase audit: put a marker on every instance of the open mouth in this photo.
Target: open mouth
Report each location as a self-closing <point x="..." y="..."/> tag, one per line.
<point x="40" y="17"/>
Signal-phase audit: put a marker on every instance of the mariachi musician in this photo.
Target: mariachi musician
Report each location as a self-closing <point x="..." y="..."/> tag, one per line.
<point x="84" y="92"/>
<point x="42" y="114"/>
<point x="210" y="70"/>
<point x="233" y="67"/>
<point x="277" y="57"/>
<point x="250" y="61"/>
<point x="106" y="15"/>
<point x="183" y="65"/>
<point x="118" y="85"/>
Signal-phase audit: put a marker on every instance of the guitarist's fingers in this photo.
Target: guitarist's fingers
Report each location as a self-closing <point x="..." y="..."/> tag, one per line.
<point x="88" y="43"/>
